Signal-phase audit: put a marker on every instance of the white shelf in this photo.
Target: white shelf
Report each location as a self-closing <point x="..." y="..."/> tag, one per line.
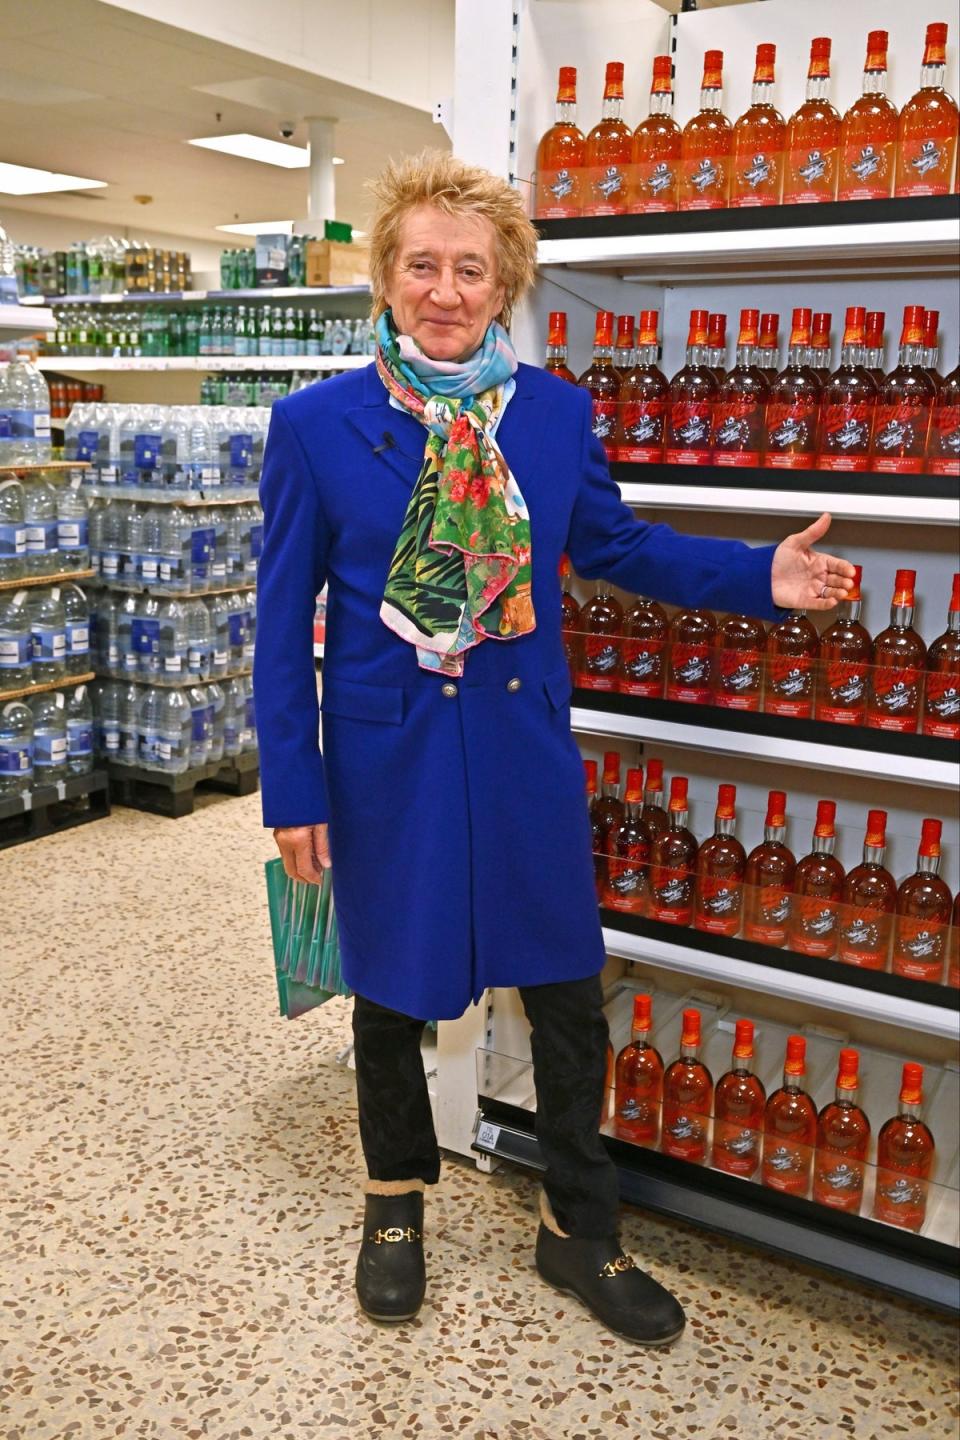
<point x="938" y="774"/>
<point x="911" y="1015"/>
<point x="68" y="364"/>
<point x="21" y="317"/>
<point x="181" y="297"/>
<point x="904" y="509"/>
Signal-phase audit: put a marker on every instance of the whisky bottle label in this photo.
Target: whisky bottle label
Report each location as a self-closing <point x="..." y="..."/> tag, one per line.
<point x="719" y="902"/>
<point x="944" y="449"/>
<point x="604" y="422"/>
<point x="601" y="662"/>
<point x="704" y="182"/>
<point x="941" y="711"/>
<point x="559" y="193"/>
<point x="810" y="175"/>
<point x="900" y="1199"/>
<point x="846" y="436"/>
<point x="895" y="701"/>
<point x="791" y="433"/>
<point x="691" y="673"/>
<point x="814" y="929"/>
<point x="606" y="189"/>
<point x="864" y="937"/>
<point x="642" y="425"/>
<point x="867" y="172"/>
<point x="786" y="1165"/>
<point x="845" y="693"/>
<point x="684" y="1133"/>
<point x="735" y="1149"/>
<point x="636" y="1117"/>
<point x="643" y="668"/>
<point x="672" y="897"/>
<point x="738" y="680"/>
<point x="790" y="686"/>
<point x="758" y="181"/>
<point x="838" y="1182"/>
<point x="690" y="432"/>
<point x="926" y="162"/>
<point x="919" y="947"/>
<point x="900" y="437"/>
<point x="655" y="185"/>
<point x="736" y="433"/>
<point x="768" y="923"/>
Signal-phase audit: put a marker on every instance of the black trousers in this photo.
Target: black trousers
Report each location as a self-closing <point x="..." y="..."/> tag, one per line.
<point x="569" y="1045"/>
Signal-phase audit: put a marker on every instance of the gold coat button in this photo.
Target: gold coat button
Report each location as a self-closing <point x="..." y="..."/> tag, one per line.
<point x="449" y="690"/>
<point x="513" y="685"/>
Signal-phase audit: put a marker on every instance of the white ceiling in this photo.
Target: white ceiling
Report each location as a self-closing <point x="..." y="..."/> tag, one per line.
<point x="91" y="90"/>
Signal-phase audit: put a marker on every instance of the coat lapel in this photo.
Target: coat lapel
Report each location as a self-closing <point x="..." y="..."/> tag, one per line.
<point x="395" y="438"/>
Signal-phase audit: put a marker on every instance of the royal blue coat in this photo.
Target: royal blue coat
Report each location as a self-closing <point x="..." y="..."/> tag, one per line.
<point x="459" y="834"/>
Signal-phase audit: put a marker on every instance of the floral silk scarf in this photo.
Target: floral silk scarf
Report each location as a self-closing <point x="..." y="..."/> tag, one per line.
<point x="462" y="568"/>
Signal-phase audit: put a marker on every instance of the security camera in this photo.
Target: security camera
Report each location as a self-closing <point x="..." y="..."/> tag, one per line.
<point x="286" y="128"/>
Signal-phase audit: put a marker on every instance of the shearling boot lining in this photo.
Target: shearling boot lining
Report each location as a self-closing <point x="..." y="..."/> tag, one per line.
<point x="394" y="1187"/>
<point x="548" y="1217"/>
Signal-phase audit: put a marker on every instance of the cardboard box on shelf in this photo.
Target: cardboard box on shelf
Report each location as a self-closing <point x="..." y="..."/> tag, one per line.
<point x="329" y="262"/>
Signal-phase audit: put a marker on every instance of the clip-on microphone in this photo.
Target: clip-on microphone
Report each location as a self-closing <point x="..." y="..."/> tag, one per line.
<point x="388" y="443"/>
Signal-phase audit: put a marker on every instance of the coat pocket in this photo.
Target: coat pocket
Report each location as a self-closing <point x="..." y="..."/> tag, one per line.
<point x="559" y="687"/>
<point x="357" y="701"/>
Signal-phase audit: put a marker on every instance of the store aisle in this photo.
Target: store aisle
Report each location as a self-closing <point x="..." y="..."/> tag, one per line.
<point x="181" y="1202"/>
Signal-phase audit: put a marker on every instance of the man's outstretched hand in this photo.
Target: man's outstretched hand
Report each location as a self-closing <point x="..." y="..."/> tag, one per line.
<point x="803" y="578"/>
<point x="305" y="851"/>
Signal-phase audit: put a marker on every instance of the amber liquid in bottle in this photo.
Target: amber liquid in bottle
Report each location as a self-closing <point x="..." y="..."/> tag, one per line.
<point x="673" y="862"/>
<point x="813" y="137"/>
<point x="792" y="650"/>
<point x="693" y="395"/>
<point x="941" y="697"/>
<point x="687" y="1098"/>
<point x="846" y="655"/>
<point x="639" y="1081"/>
<point x="721" y="863"/>
<point x="738" y="663"/>
<point x="868" y="135"/>
<point x="597" y="824"/>
<point x="769" y="879"/>
<point x="818" y="887"/>
<point x="656" y="147"/>
<point x="739" y="410"/>
<point x="931" y="346"/>
<point x="953" y="962"/>
<point x="601" y="637"/>
<point x="789" y="1127"/>
<point x="556" y="361"/>
<point x="609" y="152"/>
<point x="706" y="145"/>
<point x="690" y="666"/>
<point x="603" y="383"/>
<point x="793" y="406"/>
<point x="628" y="874"/>
<point x="923" y="914"/>
<point x="569" y="618"/>
<point x="654" y="807"/>
<point x="738" y="1106"/>
<point x="905" y="1155"/>
<point x="943" y="446"/>
<point x="848" y="403"/>
<point x="843" y="1135"/>
<point x="642" y="412"/>
<point x="927" y="132"/>
<point x="759" y="137"/>
<point x="899" y="656"/>
<point x="869" y="898"/>
<point x="904" y="402"/>
<point x="561" y="156"/>
<point x="644" y="666"/>
<point x="606" y="814"/>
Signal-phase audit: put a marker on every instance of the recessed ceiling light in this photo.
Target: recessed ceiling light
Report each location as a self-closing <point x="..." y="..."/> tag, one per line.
<point x="259" y="227"/>
<point x="254" y="147"/>
<point x="25" y="180"/>
<point x="337" y="160"/>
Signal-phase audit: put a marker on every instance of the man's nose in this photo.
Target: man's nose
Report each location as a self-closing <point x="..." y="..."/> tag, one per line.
<point x="445" y="288"/>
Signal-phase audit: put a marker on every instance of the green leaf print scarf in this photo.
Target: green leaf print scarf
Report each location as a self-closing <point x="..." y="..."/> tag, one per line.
<point x="462" y="568"/>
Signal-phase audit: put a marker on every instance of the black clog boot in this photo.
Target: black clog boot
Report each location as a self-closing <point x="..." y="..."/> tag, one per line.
<point x="391" y="1275"/>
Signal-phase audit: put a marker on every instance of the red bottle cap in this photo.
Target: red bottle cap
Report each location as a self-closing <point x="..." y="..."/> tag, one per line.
<point x="800" y="327"/>
<point x="931" y="326"/>
<point x="611" y="766"/>
<point x="904" y="587"/>
<point x="749" y="327"/>
<point x="796" y="1055"/>
<point x="848" y="1072"/>
<point x="874" y="328"/>
<point x="876" y="828"/>
<point x="603" y="331"/>
<point x="935" y="50"/>
<point x="854" y="594"/>
<point x="854" y="325"/>
<point x="877" y="42"/>
<point x="726" y="802"/>
<point x="662" y="75"/>
<point x="698" y="328"/>
<point x="776" y="808"/>
<point x="635" y="785"/>
<point x="557" y="330"/>
<point x="712" y="70"/>
<point x="820" y="339"/>
<point x="642" y="1012"/>
<point x="766" y="59"/>
<point x="955" y="594"/>
<point x="826" y="816"/>
<point x="590" y="770"/>
<point x="913" y="320"/>
<point x="769" y="329"/>
<point x="613" y="88"/>
<point x="911" y="1084"/>
<point x="648" y="327"/>
<point x="654" y="774"/>
<point x="743" y="1040"/>
<point x="678" y="793"/>
<point x="691" y="1028"/>
<point x="567" y="85"/>
<point x="624" y="332"/>
<point x="564" y="566"/>
<point x="930" y="832"/>
<point x="820" y="56"/>
<point x="717" y="331"/>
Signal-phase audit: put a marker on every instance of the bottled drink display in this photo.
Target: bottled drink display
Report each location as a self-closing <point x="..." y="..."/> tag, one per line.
<point x="927" y="130"/>
<point x="643" y="656"/>
<point x="923" y="913"/>
<point x="691" y="658"/>
<point x="941" y="691"/>
<point x="603" y="383"/>
<point x="738" y="663"/>
<point x="24" y="414"/>
<point x="628" y="846"/>
<point x="561" y="155"/>
<point x="759" y="138"/>
<point x="769" y="877"/>
<point x="821" y="350"/>
<point x="768" y="346"/>
<point x="601" y="627"/>
<point x="813" y="136"/>
<point x="638" y="1081"/>
<point x="868" y="136"/>
<point x="691" y="401"/>
<point x="607" y="812"/>
<point x="556" y="361"/>
<point x="904" y="404"/>
<point x="654" y="800"/>
<point x="166" y="331"/>
<point x="656" y="147"/>
<point x="642" y="406"/>
<point x="687" y="1097"/>
<point x="740" y="404"/>
<point x="721" y="863"/>
<point x="899" y="655"/>
<point x="706" y="145"/>
<point x="717" y="345"/>
<point x="846" y="655"/>
<point x="843" y="1135"/>
<point x="673" y="859"/>
<point x="49" y="737"/>
<point x="943" y="450"/>
<point x="792" y="650"/>
<point x="166" y="639"/>
<point x="738" y="1106"/>
<point x="869" y="897"/>
<point x="16" y="748"/>
<point x="793" y="405"/>
<point x="13" y="530"/>
<point x="623" y="350"/>
<point x="848" y="402"/>
<point x="790" y="1127"/>
<point x="905" y="1154"/>
<point x="874" y="346"/>
<point x="818" y="889"/>
<point x="608" y="152"/>
<point x="181" y="448"/>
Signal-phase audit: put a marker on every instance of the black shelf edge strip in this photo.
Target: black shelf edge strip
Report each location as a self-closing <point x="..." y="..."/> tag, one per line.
<point x="720" y="477"/>
<point x="43" y="796"/>
<point x="879" y="981"/>
<point x="742" y="722"/>
<point x="761" y="217"/>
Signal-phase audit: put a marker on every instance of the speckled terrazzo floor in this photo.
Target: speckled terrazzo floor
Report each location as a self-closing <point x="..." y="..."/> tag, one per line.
<point x="179" y="1210"/>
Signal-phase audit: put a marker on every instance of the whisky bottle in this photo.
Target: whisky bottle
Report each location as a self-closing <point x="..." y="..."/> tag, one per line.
<point x="868" y="901"/>
<point x="817" y="888"/>
<point x="846" y="655"/>
<point x="843" y="1135"/>
<point x="874" y="347"/>
<point x="690" y="665"/>
<point x="601" y="636"/>
<point x="927" y="132"/>
<point x="789" y="1127"/>
<point x="673" y="862"/>
<point x="899" y="656"/>
<point x="654" y="806"/>
<point x="905" y="1154"/>
<point x="656" y="147"/>
<point x="556" y="361"/>
<point x="739" y="410"/>
<point x="868" y="136"/>
<point x="769" y="879"/>
<point x="561" y="156"/>
<point x="923" y="913"/>
<point x="768" y="346"/>
<point x="641" y="414"/>
<point x="943" y="447"/>
<point x="717" y="345"/>
<point x="609" y="152"/>
<point x="596" y="825"/>
<point x="692" y="397"/>
<point x="639" y="1081"/>
<point x="931" y="346"/>
<point x="569" y="618"/>
<point x="706" y="145"/>
<point x="603" y="383"/>
<point x="792" y="650"/>
<point x="738" y="663"/>
<point x="848" y="402"/>
<point x="721" y="862"/>
<point x="941" y="697"/>
<point x="738" y="1106"/>
<point x="623" y="348"/>
<point x="759" y="138"/>
<point x="793" y="405"/>
<point x="821" y="346"/>
<point x="645" y="632"/>
<point x="904" y="402"/>
<point x="627" y="878"/>
<point x="813" y="137"/>
<point x="953" y="961"/>
<point x="608" y="811"/>
<point x="687" y="1097"/>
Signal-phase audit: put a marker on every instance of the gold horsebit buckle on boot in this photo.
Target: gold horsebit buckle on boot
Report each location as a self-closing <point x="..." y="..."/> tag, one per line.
<point x="393" y="1234"/>
<point x="616" y="1267"/>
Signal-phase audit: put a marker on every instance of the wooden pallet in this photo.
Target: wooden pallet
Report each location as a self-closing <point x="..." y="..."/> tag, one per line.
<point x="51" y="808"/>
<point x="174" y="795"/>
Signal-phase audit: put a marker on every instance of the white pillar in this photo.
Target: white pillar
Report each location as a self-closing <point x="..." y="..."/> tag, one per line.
<point x="321" y="204"/>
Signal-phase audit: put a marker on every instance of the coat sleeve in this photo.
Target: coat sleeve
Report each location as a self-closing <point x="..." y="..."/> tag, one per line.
<point x="607" y="541"/>
<point x="292" y="572"/>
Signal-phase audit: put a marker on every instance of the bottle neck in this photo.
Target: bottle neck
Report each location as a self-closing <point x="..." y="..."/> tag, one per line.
<point x="931" y="77"/>
<point x="746" y="356"/>
<point x="689" y="1052"/>
<point x="908" y="1110"/>
<point x="797" y="355"/>
<point x="774" y="834"/>
<point x="792" y="1081"/>
<point x="873" y="357"/>
<point x="645" y="355"/>
<point x="724" y="825"/>
<point x="928" y="864"/>
<point x="912" y="355"/>
<point x="678" y="819"/>
<point x="557" y="353"/>
<point x="874" y="82"/>
<point x="710" y="99"/>
<point x="850" y="609"/>
<point x="901" y="617"/>
<point x="818" y="87"/>
<point x="632" y="809"/>
<point x="824" y="844"/>
<point x="741" y="1064"/>
<point x="639" y="1034"/>
<point x="566" y="112"/>
<point x="603" y="354"/>
<point x="610" y="789"/>
<point x="953" y="622"/>
<point x="661" y="102"/>
<point x="698" y="355"/>
<point x="762" y="92"/>
<point x="846" y="1096"/>
<point x="873" y="854"/>
<point x="931" y="356"/>
<point x="612" y="107"/>
<point x="654" y="798"/>
<point x="851" y="355"/>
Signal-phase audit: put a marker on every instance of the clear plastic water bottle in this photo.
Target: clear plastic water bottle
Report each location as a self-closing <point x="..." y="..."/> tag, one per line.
<point x="16" y="748"/>
<point x="48" y="635"/>
<point x="256" y="542"/>
<point x="130" y="427"/>
<point x="129" y="575"/>
<point x="176" y="531"/>
<point x="49" y="737"/>
<point x="234" y="715"/>
<point x="73" y="531"/>
<point x="108" y="422"/>
<point x="215" y="704"/>
<point x="148" y="447"/>
<point x="40" y="515"/>
<point x="235" y="544"/>
<point x="106" y="631"/>
<point x="106" y="709"/>
<point x="248" y="738"/>
<point x="13" y="531"/>
<point x="128" y="661"/>
<point x="250" y="640"/>
<point x="130" y="697"/>
<point x="219" y="610"/>
<point x="24" y="414"/>
<point x="76" y="610"/>
<point x="146" y="636"/>
<point x="200" y="639"/>
<point x="174" y="639"/>
<point x="218" y="565"/>
<point x="201" y="732"/>
<point x="151" y="544"/>
<point x="176" y="731"/>
<point x="239" y="621"/>
<point x="111" y="526"/>
<point x="79" y="731"/>
<point x="149" y="727"/>
<point x="203" y="540"/>
<point x="16" y="649"/>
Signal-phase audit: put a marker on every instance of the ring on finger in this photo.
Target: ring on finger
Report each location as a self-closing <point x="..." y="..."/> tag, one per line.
<point x="823" y="592"/>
